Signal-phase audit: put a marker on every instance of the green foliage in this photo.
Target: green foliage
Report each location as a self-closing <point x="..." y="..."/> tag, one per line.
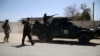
<point x="86" y="16"/>
<point x="73" y="12"/>
<point x="86" y="13"/>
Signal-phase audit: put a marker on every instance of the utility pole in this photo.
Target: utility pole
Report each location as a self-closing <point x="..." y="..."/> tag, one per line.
<point x="97" y="21"/>
<point x="93" y="16"/>
<point x="31" y="19"/>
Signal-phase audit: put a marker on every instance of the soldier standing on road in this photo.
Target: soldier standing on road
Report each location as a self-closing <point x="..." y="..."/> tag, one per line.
<point x="27" y="31"/>
<point x="45" y="18"/>
<point x="7" y="29"/>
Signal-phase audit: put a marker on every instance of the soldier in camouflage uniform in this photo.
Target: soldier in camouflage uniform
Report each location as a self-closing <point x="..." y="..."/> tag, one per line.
<point x="7" y="30"/>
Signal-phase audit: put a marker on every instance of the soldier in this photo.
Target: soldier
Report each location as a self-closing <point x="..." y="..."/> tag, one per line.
<point x="45" y="18"/>
<point x="6" y="28"/>
<point x="27" y="31"/>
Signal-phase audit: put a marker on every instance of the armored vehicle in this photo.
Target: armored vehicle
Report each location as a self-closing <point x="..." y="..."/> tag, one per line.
<point x="62" y="28"/>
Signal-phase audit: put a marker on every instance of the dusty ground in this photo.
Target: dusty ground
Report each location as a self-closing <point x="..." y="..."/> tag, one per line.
<point x="59" y="47"/>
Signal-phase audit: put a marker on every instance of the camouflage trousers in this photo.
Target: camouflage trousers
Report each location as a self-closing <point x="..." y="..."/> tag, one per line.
<point x="6" y="36"/>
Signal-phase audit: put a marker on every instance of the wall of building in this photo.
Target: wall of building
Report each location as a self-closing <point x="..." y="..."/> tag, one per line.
<point x="17" y="27"/>
<point x="1" y="23"/>
<point x="86" y="24"/>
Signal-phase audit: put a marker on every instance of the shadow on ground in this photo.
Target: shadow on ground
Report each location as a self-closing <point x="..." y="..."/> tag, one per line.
<point x="19" y="46"/>
<point x="2" y="42"/>
<point x="61" y="42"/>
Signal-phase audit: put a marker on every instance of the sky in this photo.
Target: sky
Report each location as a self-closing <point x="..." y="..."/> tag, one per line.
<point x="14" y="10"/>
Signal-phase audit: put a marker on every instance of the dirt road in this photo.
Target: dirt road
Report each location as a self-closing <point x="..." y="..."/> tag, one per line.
<point x="59" y="47"/>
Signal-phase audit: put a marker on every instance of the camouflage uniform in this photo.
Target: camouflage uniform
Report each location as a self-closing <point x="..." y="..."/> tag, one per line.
<point x="6" y="28"/>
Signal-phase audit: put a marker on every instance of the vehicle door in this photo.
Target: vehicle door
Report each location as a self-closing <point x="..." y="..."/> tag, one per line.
<point x="56" y="29"/>
<point x="69" y="29"/>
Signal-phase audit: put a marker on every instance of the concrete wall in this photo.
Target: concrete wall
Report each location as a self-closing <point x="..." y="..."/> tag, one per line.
<point x="15" y="27"/>
<point x="85" y="24"/>
<point x="1" y="30"/>
<point x="18" y="27"/>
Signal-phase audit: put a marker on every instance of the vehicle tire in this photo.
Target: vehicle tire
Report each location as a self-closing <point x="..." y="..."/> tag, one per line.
<point x="44" y="37"/>
<point x="84" y="39"/>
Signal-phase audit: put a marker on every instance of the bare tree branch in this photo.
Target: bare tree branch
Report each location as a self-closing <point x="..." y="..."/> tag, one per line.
<point x="70" y="11"/>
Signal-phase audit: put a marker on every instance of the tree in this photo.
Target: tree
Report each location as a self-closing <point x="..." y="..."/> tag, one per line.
<point x="78" y="16"/>
<point x="75" y="14"/>
<point x="71" y="11"/>
<point x="86" y="12"/>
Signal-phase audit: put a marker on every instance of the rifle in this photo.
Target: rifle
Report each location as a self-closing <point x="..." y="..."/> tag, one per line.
<point x="51" y="16"/>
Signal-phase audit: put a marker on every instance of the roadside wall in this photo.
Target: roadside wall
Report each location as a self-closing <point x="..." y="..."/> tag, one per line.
<point x="17" y="27"/>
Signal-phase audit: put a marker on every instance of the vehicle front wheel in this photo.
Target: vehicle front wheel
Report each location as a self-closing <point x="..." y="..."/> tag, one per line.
<point x="84" y="39"/>
<point x="44" y="37"/>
